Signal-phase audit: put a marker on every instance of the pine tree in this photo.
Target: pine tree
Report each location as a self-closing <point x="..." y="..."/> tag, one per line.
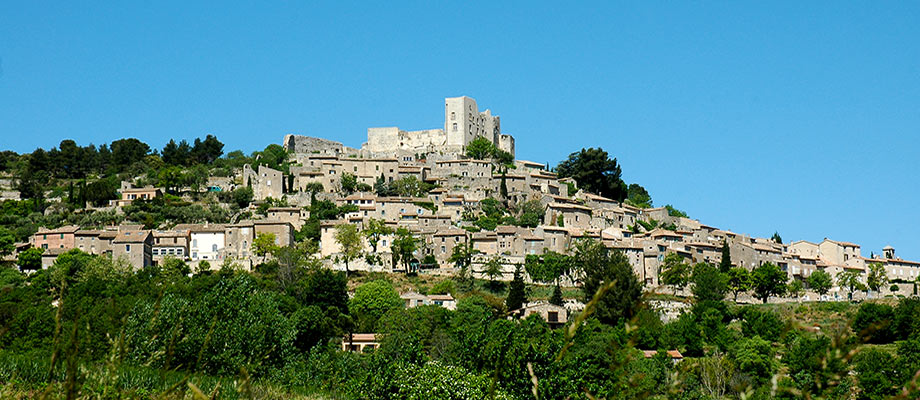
<point x="556" y="298"/>
<point x="726" y="264"/>
<point x="517" y="295"/>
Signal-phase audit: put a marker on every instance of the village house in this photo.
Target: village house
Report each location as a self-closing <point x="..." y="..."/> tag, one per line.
<point x="130" y="194"/>
<point x="171" y="243"/>
<point x="94" y="242"/>
<point x="555" y="316"/>
<point x="265" y="183"/>
<point x="414" y="299"/>
<point x="360" y="342"/>
<point x="207" y="240"/>
<point x="293" y="215"/>
<point x="136" y="247"/>
<point x="59" y="238"/>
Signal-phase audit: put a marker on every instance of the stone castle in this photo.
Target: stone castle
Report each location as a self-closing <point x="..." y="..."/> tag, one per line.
<point x="463" y="123"/>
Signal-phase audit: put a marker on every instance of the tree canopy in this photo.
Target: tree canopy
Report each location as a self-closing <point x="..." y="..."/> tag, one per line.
<point x="595" y="172"/>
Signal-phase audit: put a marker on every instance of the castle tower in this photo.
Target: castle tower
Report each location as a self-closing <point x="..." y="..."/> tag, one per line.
<point x="889" y="252"/>
<point x="463" y="122"/>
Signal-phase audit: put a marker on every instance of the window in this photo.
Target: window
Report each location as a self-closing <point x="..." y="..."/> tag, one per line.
<point x="455" y="126"/>
<point x="45" y="246"/>
<point x="156" y="252"/>
<point x="443" y="249"/>
<point x="453" y="115"/>
<point x="194" y="242"/>
<point x="552" y="316"/>
<point x="62" y="236"/>
<point x="127" y="247"/>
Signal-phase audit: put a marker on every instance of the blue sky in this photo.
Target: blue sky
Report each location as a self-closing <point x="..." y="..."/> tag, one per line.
<point x="778" y="116"/>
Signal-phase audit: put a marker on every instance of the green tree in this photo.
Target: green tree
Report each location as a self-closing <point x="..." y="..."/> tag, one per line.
<point x="30" y="259"/>
<point x="350" y="243"/>
<point x="875" y="323"/>
<point x="777" y="238"/>
<point x="242" y="196"/>
<point x="768" y="280"/>
<point x="404" y="246"/>
<point x="480" y="149"/>
<point x="493" y="270"/>
<point x="739" y="281"/>
<point x="264" y="244"/>
<point x="820" y="281"/>
<point x="675" y="272"/>
<point x="637" y="196"/>
<point x="674" y="212"/>
<point x="602" y="268"/>
<point x="371" y="301"/>
<point x="850" y="280"/>
<point x="7" y="242"/>
<point x="530" y="213"/>
<point x="128" y="151"/>
<point x="556" y="297"/>
<point x="796" y="288"/>
<point x="517" y="291"/>
<point x="725" y="264"/>
<point x="708" y="283"/>
<point x="877" y="277"/>
<point x="594" y="171"/>
<point x="375" y="231"/>
<point x="877" y="374"/>
<point x="349" y="182"/>
<point x="207" y="151"/>
<point x="755" y="358"/>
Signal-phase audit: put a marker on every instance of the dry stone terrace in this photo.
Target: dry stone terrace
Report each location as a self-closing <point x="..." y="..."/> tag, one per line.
<point x="443" y="217"/>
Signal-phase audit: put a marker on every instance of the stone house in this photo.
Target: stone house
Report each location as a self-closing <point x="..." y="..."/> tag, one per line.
<point x="413" y="299"/>
<point x="59" y="238"/>
<point x="705" y="252"/>
<point x="360" y="342"/>
<point x="171" y="243"/>
<point x="443" y="241"/>
<point x="94" y="241"/>
<point x="533" y="244"/>
<point x="635" y="253"/>
<point x="240" y="236"/>
<point x="130" y="194"/>
<point x="434" y="221"/>
<point x="841" y="253"/>
<point x="486" y="242"/>
<point x="554" y="238"/>
<point x="134" y="246"/>
<point x="555" y="316"/>
<point x="265" y="182"/>
<point x="510" y="239"/>
<point x="207" y="240"/>
<point x="568" y="215"/>
<point x="293" y="215"/>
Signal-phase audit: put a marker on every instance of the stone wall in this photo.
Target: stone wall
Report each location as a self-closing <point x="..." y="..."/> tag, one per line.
<point x="312" y="145"/>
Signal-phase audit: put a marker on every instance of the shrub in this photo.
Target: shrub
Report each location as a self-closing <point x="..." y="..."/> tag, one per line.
<point x="874" y="323"/>
<point x="763" y="323"/>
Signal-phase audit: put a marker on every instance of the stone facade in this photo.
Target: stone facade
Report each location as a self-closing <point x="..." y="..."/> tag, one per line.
<point x="463" y="123"/>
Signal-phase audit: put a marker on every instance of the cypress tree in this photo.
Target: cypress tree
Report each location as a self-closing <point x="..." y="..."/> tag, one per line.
<point x="517" y="295"/>
<point x="726" y="264"/>
<point x="556" y="297"/>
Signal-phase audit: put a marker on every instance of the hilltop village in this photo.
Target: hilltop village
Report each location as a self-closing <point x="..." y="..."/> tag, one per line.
<point x="432" y="201"/>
